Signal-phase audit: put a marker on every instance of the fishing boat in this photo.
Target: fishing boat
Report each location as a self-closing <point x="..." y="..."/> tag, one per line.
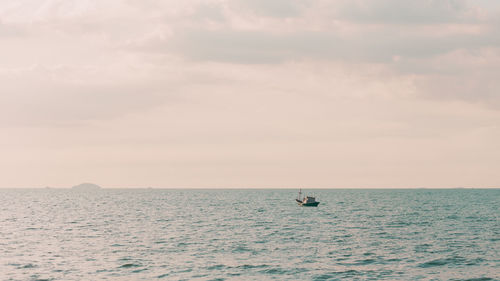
<point x="306" y="201"/>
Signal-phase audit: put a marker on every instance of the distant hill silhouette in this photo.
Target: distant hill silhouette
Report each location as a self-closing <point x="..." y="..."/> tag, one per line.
<point x="86" y="186"/>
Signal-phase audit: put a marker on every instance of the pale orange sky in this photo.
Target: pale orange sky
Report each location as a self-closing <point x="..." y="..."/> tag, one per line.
<point x="256" y="93"/>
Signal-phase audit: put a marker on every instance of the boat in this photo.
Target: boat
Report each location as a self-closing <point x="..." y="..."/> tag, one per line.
<point x="306" y="201"/>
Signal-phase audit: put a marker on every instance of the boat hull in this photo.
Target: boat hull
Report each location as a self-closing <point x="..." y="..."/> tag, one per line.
<point x="314" y="204"/>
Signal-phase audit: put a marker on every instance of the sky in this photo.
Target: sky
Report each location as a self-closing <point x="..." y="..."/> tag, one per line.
<point x="250" y="93"/>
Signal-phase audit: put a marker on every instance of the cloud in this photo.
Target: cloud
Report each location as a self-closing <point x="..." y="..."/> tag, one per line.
<point x="9" y="31"/>
<point x="463" y="75"/>
<point x="411" y="38"/>
<point x="404" y="12"/>
<point x="247" y="47"/>
<point x="277" y="8"/>
<point x="267" y="47"/>
<point x="62" y="96"/>
<point x="235" y="33"/>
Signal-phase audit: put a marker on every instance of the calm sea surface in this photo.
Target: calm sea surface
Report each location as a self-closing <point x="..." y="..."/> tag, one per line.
<point x="146" y="234"/>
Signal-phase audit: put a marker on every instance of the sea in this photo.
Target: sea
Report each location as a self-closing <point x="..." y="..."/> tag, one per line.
<point x="249" y="234"/>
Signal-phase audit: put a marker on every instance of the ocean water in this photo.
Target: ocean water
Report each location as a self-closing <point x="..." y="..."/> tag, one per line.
<point x="149" y="234"/>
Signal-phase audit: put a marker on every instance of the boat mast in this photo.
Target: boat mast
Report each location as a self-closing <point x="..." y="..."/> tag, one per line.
<point x="300" y="192"/>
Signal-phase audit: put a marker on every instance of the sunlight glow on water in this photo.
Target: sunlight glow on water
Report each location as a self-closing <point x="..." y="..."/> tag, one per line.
<point x="120" y="234"/>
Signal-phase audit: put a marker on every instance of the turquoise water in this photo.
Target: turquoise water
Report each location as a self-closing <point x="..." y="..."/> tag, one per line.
<point x="146" y="234"/>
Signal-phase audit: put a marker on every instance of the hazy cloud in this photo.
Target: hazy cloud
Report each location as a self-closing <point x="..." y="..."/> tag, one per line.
<point x="406" y="12"/>
<point x="9" y="31"/>
<point x="278" y="8"/>
<point x="266" y="47"/>
<point x="41" y="96"/>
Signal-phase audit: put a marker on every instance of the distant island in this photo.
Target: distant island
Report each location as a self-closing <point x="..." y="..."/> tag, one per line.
<point x="86" y="186"/>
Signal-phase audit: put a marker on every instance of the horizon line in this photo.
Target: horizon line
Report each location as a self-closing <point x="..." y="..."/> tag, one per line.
<point x="256" y="188"/>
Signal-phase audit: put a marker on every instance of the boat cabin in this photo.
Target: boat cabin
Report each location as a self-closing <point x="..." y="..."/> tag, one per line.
<point x="309" y="199"/>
